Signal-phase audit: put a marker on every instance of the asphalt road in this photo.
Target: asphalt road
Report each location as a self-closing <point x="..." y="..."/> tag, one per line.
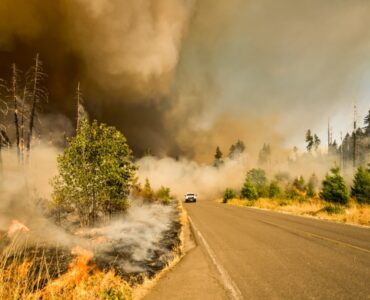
<point x="268" y="255"/>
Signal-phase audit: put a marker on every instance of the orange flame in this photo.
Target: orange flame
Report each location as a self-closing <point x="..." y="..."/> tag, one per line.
<point x="16" y="227"/>
<point x="78" y="269"/>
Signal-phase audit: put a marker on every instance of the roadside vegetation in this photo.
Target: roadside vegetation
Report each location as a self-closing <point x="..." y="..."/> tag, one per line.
<point x="96" y="184"/>
<point x="330" y="199"/>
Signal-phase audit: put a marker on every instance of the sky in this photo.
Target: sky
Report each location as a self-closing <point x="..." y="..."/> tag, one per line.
<point x="180" y="77"/>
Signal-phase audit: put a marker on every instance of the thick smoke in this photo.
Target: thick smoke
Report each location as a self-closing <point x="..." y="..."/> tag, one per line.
<point x="175" y="73"/>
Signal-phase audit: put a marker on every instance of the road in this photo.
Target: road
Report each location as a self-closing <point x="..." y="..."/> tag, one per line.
<point x="269" y="255"/>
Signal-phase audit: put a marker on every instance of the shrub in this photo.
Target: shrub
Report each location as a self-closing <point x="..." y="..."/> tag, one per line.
<point x="164" y="195"/>
<point x="291" y="192"/>
<point x="333" y="209"/>
<point x="229" y="194"/>
<point x="147" y="192"/>
<point x="334" y="188"/>
<point x="257" y="177"/>
<point x="249" y="191"/>
<point x="361" y="186"/>
<point x="274" y="190"/>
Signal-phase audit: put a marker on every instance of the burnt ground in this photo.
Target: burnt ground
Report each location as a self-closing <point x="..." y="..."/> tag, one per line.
<point x="50" y="262"/>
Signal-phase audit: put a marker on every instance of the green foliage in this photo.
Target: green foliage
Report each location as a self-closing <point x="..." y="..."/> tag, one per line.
<point x="95" y="172"/>
<point x="147" y="192"/>
<point x="361" y="186"/>
<point x="257" y="177"/>
<point x="229" y="194"/>
<point x="334" y="188"/>
<point x="164" y="195"/>
<point x="316" y="142"/>
<point x="291" y="192"/>
<point x="236" y="149"/>
<point x="249" y="191"/>
<point x="274" y="190"/>
<point x="309" y="140"/>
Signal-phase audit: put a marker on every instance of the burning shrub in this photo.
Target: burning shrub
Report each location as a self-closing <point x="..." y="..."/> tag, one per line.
<point x="95" y="172"/>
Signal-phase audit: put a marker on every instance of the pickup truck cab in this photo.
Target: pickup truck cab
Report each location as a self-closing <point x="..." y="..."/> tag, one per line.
<point x="190" y="197"/>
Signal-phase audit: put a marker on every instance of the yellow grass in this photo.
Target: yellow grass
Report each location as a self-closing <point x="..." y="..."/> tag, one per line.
<point x="353" y="213"/>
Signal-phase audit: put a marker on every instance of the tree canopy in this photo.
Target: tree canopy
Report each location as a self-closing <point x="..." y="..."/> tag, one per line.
<point x="96" y="172"/>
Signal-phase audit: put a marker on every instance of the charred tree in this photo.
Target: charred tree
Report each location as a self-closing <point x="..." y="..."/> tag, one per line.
<point x="14" y="95"/>
<point x="36" y="93"/>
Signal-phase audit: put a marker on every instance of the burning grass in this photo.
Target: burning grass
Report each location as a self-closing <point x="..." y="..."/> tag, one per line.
<point x="117" y="259"/>
<point x="353" y="213"/>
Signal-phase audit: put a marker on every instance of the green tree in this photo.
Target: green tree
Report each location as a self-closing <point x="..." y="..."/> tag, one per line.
<point x="361" y="186"/>
<point x="96" y="172"/>
<point x="258" y="179"/>
<point x="274" y="190"/>
<point x="229" y="194"/>
<point x="334" y="188"/>
<point x="249" y="191"/>
<point x="309" y="140"/>
<point x="316" y="142"/>
<point x="148" y="192"/>
<point x="218" y="158"/>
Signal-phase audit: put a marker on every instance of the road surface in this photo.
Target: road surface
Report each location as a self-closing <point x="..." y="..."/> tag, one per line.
<point x="259" y="254"/>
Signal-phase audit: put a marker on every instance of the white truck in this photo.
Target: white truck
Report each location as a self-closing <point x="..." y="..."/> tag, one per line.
<point x="190" y="197"/>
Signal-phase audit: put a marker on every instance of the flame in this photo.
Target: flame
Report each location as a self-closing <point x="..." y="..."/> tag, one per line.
<point x="78" y="270"/>
<point x="16" y="227"/>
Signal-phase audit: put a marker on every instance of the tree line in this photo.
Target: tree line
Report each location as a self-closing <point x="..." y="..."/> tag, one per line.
<point x="332" y="189"/>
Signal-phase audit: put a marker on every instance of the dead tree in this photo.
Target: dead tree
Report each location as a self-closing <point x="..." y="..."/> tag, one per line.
<point x="4" y="140"/>
<point x="36" y="93"/>
<point x="15" y="99"/>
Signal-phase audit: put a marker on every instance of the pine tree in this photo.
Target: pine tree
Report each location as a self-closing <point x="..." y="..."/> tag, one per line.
<point x="309" y="140"/>
<point x="316" y="142"/>
<point x="367" y="124"/>
<point x="218" y="158"/>
<point x="334" y="188"/>
<point x="361" y="186"/>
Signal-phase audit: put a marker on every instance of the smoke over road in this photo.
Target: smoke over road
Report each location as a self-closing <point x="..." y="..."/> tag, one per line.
<point x="176" y="73"/>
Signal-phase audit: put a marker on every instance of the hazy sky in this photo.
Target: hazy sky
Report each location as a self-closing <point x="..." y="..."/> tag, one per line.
<point x="183" y="76"/>
<point x="300" y="61"/>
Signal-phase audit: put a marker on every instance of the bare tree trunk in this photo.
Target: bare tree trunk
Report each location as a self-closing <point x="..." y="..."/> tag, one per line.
<point x="15" y="106"/>
<point x="21" y="127"/>
<point x="33" y="100"/>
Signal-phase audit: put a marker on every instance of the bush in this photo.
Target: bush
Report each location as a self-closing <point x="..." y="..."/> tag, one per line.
<point x="330" y="209"/>
<point x="334" y="188"/>
<point x="274" y="190"/>
<point x="249" y="191"/>
<point x="229" y="194"/>
<point x="164" y="195"/>
<point x="291" y="192"/>
<point x="361" y="186"/>
<point x="257" y="178"/>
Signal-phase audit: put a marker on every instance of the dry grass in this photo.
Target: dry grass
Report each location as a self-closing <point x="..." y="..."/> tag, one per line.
<point x="26" y="277"/>
<point x="353" y="213"/>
